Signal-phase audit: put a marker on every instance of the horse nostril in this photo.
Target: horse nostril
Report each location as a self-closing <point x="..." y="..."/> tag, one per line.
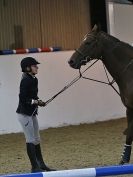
<point x="70" y="62"/>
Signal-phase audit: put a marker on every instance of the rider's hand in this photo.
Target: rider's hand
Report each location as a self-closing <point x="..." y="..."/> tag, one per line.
<point x="39" y="103"/>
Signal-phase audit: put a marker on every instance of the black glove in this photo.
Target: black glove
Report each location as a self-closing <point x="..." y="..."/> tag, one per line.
<point x="39" y="103"/>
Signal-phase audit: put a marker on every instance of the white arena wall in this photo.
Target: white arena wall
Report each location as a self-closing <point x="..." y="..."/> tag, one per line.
<point x="84" y="102"/>
<point x="120" y="21"/>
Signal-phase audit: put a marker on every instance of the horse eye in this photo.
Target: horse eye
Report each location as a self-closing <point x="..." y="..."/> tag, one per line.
<point x="88" y="43"/>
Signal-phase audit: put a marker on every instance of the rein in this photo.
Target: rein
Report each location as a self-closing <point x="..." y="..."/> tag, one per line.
<point x="66" y="87"/>
<point x="81" y="76"/>
<point x="110" y="83"/>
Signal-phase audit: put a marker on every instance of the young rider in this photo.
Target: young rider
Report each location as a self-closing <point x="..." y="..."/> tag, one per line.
<point x="27" y="113"/>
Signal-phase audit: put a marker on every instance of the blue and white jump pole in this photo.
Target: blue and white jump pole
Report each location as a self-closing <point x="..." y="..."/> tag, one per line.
<point x="86" y="172"/>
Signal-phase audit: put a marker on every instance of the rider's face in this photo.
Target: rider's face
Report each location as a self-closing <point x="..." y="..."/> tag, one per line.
<point x="34" y="69"/>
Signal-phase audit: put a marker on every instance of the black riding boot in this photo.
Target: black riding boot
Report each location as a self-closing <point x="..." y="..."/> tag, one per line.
<point x="125" y="158"/>
<point x="32" y="156"/>
<point x="40" y="161"/>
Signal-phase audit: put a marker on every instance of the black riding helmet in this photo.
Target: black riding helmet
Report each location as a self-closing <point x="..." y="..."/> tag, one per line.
<point x="27" y="62"/>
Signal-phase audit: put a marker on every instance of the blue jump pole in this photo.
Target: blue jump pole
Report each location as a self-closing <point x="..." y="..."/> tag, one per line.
<point x="86" y="172"/>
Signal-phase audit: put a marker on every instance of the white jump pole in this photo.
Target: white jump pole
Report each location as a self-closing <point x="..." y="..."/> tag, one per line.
<point x="87" y="172"/>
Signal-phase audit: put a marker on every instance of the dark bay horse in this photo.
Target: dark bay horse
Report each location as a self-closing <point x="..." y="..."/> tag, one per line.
<point x="117" y="57"/>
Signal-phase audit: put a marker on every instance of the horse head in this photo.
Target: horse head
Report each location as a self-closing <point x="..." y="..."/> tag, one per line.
<point x="88" y="50"/>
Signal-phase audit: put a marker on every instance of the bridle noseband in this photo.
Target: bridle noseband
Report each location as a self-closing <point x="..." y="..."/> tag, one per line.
<point x="86" y="59"/>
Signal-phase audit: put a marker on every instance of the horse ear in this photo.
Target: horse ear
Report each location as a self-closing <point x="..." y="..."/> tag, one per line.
<point x="96" y="28"/>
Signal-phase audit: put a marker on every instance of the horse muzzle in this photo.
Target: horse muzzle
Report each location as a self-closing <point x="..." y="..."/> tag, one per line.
<point x="73" y="64"/>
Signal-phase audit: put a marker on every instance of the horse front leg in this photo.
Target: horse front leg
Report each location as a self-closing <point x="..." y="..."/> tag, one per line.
<point x="125" y="157"/>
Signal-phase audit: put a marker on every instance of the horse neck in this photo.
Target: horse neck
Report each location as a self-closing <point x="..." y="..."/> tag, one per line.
<point x="115" y="55"/>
